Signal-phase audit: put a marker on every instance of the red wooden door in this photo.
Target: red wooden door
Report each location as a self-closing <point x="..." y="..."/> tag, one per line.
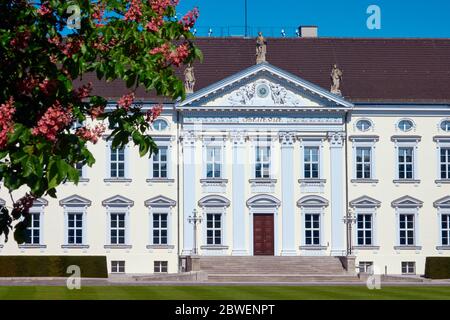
<point x="263" y="238"/>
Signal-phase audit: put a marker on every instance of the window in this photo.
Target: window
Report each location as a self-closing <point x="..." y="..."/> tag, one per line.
<point x="117" y="266"/>
<point x="160" y="228"/>
<point x="160" y="163"/>
<point x="405" y="125"/>
<point x="366" y="266"/>
<point x="405" y="163"/>
<point x="160" y="125"/>
<point x="363" y="125"/>
<point x="74" y="228"/>
<point x="79" y="167"/>
<point x="33" y="234"/>
<point x="160" y="266"/>
<point x="445" y="229"/>
<point x="117" y="230"/>
<point x="311" y="162"/>
<point x="117" y="163"/>
<point x="312" y="229"/>
<point x="262" y="165"/>
<point x="445" y="163"/>
<point x="408" y="267"/>
<point x="407" y="231"/>
<point x="363" y="163"/>
<point x="445" y="125"/>
<point x="213" y="162"/>
<point x="213" y="229"/>
<point x="364" y="229"/>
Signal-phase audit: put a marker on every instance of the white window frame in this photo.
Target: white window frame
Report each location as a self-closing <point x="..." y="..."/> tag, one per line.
<point x="213" y="142"/>
<point x="310" y="163"/>
<point x="405" y="152"/>
<point x="115" y="264"/>
<point x="312" y="228"/>
<point x="408" y="268"/>
<point x="371" y="128"/>
<point x="257" y="151"/>
<point x="397" y="125"/>
<point x="215" y="161"/>
<point x="364" y="142"/>
<point x="117" y="204"/>
<point x="160" y="205"/>
<point x="160" y="228"/>
<point x="214" y="228"/>
<point x="34" y="213"/>
<point x="159" y="163"/>
<point x="126" y="162"/>
<point x="164" y="141"/>
<point x="444" y="212"/>
<point x="313" y="144"/>
<point x="214" y="205"/>
<point x="446" y="162"/>
<point x="364" y="229"/>
<point x="411" y="212"/>
<point x="312" y="211"/>
<point x="38" y="208"/>
<point x="407" y="142"/>
<point x="75" y="228"/>
<point x="158" y="266"/>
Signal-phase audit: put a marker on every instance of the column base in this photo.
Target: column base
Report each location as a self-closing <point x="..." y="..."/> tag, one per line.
<point x="288" y="252"/>
<point x="239" y="252"/>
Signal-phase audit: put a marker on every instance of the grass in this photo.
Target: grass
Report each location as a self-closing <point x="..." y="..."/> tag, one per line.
<point x="222" y="293"/>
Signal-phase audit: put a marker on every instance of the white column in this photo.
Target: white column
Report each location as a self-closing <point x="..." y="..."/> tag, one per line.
<point x="287" y="191"/>
<point x="188" y="190"/>
<point x="338" y="246"/>
<point x="238" y="193"/>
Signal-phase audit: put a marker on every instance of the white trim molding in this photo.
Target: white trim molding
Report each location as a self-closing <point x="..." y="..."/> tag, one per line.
<point x="407" y="205"/>
<point x="78" y="205"/>
<point x="366" y="205"/>
<point x="161" y="205"/>
<point x="118" y="204"/>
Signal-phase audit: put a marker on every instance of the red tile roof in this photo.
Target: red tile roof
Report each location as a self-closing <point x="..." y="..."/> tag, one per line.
<point x="382" y="70"/>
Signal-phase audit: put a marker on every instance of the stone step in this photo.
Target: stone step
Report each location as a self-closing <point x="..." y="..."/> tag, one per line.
<point x="282" y="278"/>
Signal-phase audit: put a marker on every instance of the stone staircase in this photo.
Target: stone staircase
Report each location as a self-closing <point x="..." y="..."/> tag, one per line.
<point x="275" y="269"/>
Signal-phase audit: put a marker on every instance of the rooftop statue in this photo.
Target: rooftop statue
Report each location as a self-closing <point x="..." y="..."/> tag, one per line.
<point x="261" y="48"/>
<point x="189" y="78"/>
<point x="336" y="79"/>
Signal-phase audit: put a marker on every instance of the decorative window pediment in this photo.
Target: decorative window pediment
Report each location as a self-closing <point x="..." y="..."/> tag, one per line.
<point x="312" y="202"/>
<point x="365" y="202"/>
<point x="407" y="202"/>
<point x="263" y="200"/>
<point x="442" y="202"/>
<point x="160" y="201"/>
<point x="118" y="201"/>
<point x="40" y="202"/>
<point x="2" y="202"/>
<point x="214" y="201"/>
<point x="75" y="200"/>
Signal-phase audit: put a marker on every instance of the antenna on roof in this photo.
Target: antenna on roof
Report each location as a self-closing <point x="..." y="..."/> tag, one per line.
<point x="283" y="33"/>
<point x="210" y="32"/>
<point x="246" y="21"/>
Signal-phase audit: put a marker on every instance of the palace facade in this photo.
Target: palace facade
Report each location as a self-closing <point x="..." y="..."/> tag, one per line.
<point x="326" y="147"/>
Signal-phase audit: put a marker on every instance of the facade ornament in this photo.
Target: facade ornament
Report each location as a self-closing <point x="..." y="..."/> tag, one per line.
<point x="188" y="138"/>
<point x="336" y="139"/>
<point x="261" y="48"/>
<point x="336" y="79"/>
<point x="287" y="138"/>
<point x="189" y="78"/>
<point x="237" y="137"/>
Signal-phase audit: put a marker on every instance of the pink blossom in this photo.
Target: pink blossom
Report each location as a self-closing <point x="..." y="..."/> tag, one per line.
<point x="54" y="120"/>
<point x="47" y="86"/>
<point x="160" y="6"/>
<point x="44" y="9"/>
<point x="153" y="113"/>
<point x="84" y="91"/>
<point x="7" y="111"/>
<point x="92" y="135"/>
<point x="154" y="24"/>
<point x="134" y="11"/>
<point x="126" y="100"/>
<point x="175" y="57"/>
<point x="21" y="41"/>
<point x="189" y="19"/>
<point x="28" y="84"/>
<point x="97" y="111"/>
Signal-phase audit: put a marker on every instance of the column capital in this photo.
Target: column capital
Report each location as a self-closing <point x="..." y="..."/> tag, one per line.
<point x="336" y="139"/>
<point x="188" y="138"/>
<point x="287" y="138"/>
<point x="238" y="137"/>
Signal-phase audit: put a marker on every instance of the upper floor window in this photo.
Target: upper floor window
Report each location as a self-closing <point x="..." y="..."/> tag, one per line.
<point x="445" y="229"/>
<point x="363" y="125"/>
<point x="445" y="163"/>
<point x="406" y="163"/>
<point x="117" y="163"/>
<point x="363" y="162"/>
<point x="160" y="160"/>
<point x="213" y="162"/>
<point x="75" y="228"/>
<point x="445" y="125"/>
<point x="262" y="163"/>
<point x="311" y="163"/>
<point x="160" y="125"/>
<point x="405" y="125"/>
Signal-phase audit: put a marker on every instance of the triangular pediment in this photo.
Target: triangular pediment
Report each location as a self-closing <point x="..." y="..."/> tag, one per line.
<point x="365" y="202"/>
<point x="160" y="201"/>
<point x="118" y="201"/>
<point x="407" y="202"/>
<point x="442" y="202"/>
<point x="264" y="85"/>
<point x="75" y="200"/>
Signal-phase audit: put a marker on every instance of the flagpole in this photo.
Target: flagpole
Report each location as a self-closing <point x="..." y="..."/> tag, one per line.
<point x="245" y="12"/>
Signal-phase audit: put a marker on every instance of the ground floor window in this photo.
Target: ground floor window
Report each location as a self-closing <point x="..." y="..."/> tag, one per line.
<point x="312" y="229"/>
<point x="445" y="229"/>
<point x="160" y="228"/>
<point x="33" y="234"/>
<point x="366" y="266"/>
<point x="75" y="228"/>
<point x="160" y="266"/>
<point x="407" y="230"/>
<point x="117" y="228"/>
<point x="408" y="267"/>
<point x="364" y="229"/>
<point x="214" y="229"/>
<point x="117" y="266"/>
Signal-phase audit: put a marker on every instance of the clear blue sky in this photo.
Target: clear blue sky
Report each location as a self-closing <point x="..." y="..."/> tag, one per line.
<point x="335" y="18"/>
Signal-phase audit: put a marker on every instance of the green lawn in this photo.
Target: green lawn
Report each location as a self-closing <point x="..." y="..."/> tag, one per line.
<point x="223" y="292"/>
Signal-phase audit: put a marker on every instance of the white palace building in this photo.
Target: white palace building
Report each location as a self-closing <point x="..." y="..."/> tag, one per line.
<point x="325" y="147"/>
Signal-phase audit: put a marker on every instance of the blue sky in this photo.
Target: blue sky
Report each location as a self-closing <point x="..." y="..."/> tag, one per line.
<point x="335" y="18"/>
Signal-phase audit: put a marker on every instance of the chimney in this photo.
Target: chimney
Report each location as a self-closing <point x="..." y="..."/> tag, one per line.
<point x="308" y="31"/>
